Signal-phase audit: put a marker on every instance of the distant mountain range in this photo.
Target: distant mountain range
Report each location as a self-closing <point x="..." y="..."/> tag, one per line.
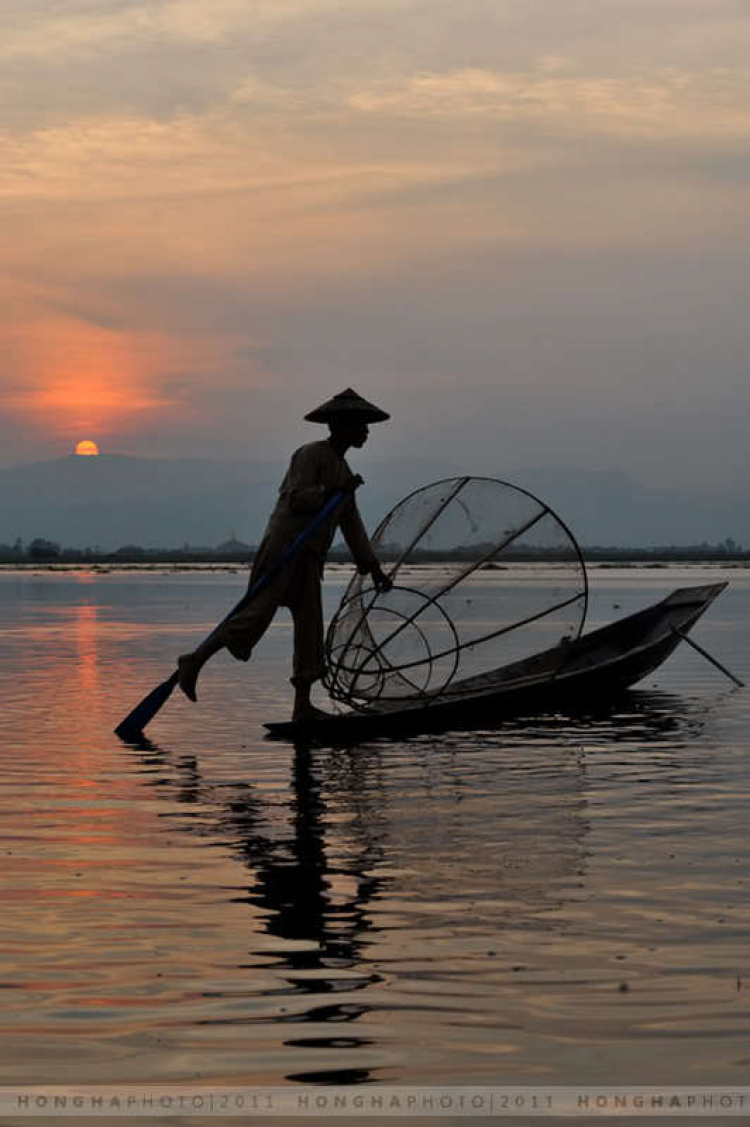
<point x="113" y="500"/>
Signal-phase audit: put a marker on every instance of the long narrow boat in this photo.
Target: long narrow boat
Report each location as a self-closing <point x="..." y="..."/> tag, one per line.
<point x="569" y="675"/>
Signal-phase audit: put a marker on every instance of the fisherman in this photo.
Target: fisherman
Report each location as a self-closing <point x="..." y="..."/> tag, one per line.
<point x="317" y="471"/>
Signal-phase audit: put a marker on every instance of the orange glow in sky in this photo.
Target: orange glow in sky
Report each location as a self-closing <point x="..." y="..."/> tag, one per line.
<point x="73" y="376"/>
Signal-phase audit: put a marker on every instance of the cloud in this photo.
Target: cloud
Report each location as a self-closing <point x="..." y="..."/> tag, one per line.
<point x="74" y="29"/>
<point x="191" y="156"/>
<point x="663" y="103"/>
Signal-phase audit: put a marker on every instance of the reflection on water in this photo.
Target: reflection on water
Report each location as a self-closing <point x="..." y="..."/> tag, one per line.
<point x="316" y="908"/>
<point x="561" y="899"/>
<point x="86" y="639"/>
<point x="347" y="875"/>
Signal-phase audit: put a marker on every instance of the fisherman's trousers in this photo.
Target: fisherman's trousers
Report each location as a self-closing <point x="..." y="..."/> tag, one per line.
<point x="297" y="587"/>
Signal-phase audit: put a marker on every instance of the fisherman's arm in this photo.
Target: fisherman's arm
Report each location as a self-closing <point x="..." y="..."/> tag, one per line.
<point x="358" y="542"/>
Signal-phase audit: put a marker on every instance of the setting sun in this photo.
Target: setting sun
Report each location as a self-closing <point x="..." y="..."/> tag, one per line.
<point x="87" y="447"/>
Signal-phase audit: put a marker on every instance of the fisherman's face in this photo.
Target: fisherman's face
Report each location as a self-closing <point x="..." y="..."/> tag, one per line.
<point x="360" y="433"/>
<point x="353" y="434"/>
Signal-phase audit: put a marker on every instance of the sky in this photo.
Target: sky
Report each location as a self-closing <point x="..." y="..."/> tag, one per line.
<point x="520" y="226"/>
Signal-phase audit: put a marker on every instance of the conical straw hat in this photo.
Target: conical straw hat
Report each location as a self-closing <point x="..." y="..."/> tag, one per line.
<point x="349" y="406"/>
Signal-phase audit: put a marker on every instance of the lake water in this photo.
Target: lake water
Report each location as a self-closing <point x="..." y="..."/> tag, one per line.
<point x="551" y="902"/>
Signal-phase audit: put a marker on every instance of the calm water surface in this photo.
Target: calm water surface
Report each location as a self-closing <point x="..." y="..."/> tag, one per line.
<point x="556" y="902"/>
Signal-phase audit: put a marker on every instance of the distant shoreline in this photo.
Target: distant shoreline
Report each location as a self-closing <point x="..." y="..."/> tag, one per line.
<point x="233" y="567"/>
<point x="597" y="554"/>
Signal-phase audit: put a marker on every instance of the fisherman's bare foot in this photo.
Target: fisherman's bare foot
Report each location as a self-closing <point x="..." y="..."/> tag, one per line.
<point x="188" y="668"/>
<point x="308" y="714"/>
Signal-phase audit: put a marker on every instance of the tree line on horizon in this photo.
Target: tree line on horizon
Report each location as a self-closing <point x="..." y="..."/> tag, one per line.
<point x="41" y="550"/>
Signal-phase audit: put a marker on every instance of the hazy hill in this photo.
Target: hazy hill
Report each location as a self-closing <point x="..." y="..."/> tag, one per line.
<point x="112" y="500"/>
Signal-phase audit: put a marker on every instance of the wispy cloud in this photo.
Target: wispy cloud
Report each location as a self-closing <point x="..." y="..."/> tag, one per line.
<point x="663" y="103"/>
<point x="72" y="28"/>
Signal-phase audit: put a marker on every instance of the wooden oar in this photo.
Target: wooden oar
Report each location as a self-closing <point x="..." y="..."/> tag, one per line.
<point x="134" y="723"/>
<point x="708" y="657"/>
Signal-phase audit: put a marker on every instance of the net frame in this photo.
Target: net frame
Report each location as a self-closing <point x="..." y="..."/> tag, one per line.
<point x="336" y="665"/>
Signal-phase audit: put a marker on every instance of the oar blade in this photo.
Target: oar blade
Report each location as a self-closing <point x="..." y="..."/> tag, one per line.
<point x="134" y="723"/>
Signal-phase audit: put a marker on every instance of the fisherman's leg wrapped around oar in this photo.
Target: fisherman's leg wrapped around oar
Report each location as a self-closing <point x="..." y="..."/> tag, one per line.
<point x="298" y="588"/>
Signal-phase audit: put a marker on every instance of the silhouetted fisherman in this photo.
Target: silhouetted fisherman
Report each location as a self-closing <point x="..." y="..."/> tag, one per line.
<point x="317" y="471"/>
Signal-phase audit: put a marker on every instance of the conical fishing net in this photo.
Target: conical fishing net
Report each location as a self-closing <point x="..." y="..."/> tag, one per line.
<point x="486" y="577"/>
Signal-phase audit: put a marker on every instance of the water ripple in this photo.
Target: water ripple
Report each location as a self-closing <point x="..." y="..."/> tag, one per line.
<point x="553" y="899"/>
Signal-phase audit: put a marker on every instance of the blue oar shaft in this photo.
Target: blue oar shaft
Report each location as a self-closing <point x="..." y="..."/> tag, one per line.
<point x="291" y="550"/>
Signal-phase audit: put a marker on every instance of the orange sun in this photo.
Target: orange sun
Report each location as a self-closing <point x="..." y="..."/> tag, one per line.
<point x="87" y="447"/>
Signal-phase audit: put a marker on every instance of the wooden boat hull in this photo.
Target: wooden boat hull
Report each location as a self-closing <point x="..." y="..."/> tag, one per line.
<point x="597" y="665"/>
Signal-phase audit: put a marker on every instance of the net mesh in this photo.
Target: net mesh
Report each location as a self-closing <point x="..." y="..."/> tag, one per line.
<point x="485" y="577"/>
